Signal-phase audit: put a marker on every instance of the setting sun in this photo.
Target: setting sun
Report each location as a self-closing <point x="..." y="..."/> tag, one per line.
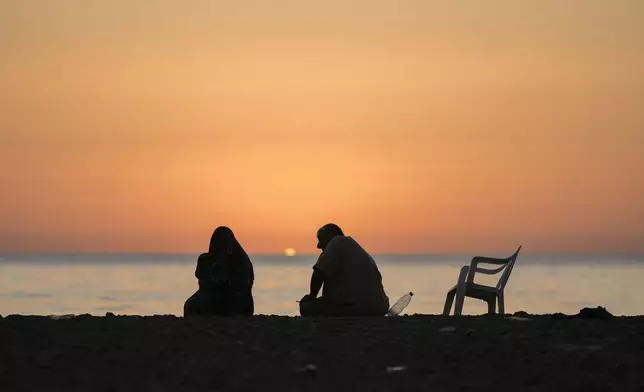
<point x="290" y="252"/>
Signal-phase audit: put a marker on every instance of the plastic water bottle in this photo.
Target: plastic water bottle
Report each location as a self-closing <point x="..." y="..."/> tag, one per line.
<point x="400" y="305"/>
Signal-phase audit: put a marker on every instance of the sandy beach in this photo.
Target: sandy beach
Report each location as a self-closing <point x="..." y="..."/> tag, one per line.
<point x="270" y="353"/>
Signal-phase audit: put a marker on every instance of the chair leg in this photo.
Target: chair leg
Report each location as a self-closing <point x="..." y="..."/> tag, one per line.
<point x="458" y="308"/>
<point x="491" y="306"/>
<point x="461" y="289"/>
<point x="501" y="304"/>
<point x="448" y="302"/>
<point x="460" y="299"/>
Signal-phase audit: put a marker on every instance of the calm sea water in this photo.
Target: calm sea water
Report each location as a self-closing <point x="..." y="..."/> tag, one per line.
<point x="159" y="284"/>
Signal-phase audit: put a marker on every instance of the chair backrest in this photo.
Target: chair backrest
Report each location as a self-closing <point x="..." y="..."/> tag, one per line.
<point x="505" y="276"/>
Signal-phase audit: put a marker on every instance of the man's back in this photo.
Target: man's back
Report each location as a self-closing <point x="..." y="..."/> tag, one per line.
<point x="351" y="275"/>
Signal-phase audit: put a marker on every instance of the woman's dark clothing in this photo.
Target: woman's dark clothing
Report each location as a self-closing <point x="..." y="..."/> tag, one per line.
<point x="226" y="277"/>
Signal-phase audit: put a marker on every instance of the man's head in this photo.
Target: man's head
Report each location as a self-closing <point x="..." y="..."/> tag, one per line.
<point x="326" y="234"/>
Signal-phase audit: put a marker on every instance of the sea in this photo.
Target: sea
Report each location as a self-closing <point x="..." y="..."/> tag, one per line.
<point x="158" y="284"/>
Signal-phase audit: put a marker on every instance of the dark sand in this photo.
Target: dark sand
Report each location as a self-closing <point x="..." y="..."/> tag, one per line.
<point x="272" y="353"/>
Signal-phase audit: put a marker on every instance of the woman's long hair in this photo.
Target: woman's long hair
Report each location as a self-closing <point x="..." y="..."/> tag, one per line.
<point x="225" y="248"/>
<point x="223" y="244"/>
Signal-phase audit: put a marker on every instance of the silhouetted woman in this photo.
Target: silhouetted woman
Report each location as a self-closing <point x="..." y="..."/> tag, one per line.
<point x="225" y="277"/>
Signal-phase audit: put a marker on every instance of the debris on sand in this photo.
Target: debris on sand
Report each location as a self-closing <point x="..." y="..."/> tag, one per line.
<point x="599" y="313"/>
<point x="310" y="368"/>
<point x="448" y="329"/>
<point x="594" y="313"/>
<point x="396" y="369"/>
<point x="517" y="318"/>
<point x="61" y="316"/>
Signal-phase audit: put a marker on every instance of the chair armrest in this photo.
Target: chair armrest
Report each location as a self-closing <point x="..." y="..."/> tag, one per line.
<point x="474" y="268"/>
<point x="489" y="260"/>
<point x="489" y="271"/>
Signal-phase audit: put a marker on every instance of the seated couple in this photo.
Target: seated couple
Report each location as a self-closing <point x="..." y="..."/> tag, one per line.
<point x="348" y="276"/>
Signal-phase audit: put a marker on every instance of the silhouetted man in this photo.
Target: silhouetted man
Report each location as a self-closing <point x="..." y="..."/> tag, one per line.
<point x="350" y="276"/>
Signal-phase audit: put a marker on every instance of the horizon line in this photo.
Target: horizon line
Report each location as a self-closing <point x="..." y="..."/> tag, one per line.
<point x="277" y="254"/>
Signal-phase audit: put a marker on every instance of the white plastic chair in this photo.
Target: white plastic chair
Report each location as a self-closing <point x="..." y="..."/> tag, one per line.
<point x="490" y="294"/>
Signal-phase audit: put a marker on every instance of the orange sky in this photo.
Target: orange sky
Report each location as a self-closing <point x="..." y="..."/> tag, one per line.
<point x="418" y="126"/>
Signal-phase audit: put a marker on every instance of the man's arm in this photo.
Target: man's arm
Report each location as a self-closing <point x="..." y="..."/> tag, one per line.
<point x="316" y="283"/>
<point x="324" y="268"/>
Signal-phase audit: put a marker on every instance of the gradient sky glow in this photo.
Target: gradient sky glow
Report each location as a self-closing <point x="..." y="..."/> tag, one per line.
<point x="418" y="126"/>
